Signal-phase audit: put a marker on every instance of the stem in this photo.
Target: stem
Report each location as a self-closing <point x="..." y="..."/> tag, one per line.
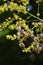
<point x="35" y="16"/>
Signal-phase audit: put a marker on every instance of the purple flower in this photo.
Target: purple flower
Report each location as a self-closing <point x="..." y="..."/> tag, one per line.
<point x="29" y="7"/>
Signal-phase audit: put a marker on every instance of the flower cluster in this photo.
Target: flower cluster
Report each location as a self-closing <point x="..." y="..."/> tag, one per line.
<point x="18" y="23"/>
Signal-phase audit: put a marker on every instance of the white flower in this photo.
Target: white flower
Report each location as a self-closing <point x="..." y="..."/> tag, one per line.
<point x="22" y="45"/>
<point x="23" y="31"/>
<point x="36" y="39"/>
<point x="18" y="35"/>
<point x="41" y="35"/>
<point x="39" y="49"/>
<point x="19" y="28"/>
<point x="39" y="23"/>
